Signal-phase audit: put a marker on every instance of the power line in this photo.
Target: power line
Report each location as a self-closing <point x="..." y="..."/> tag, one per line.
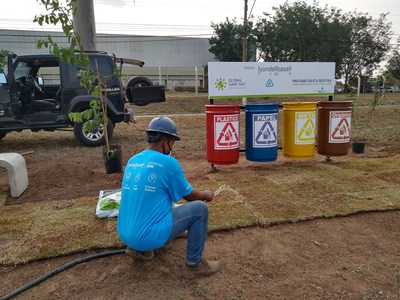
<point x="101" y="36"/>
<point x="251" y="10"/>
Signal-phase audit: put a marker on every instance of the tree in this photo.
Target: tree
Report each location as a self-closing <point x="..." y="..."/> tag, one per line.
<point x="227" y="44"/>
<point x="393" y="65"/>
<point x="3" y="59"/>
<point x="85" y="25"/>
<point x="297" y="31"/>
<point x="302" y="32"/>
<point x="89" y="77"/>
<point x="369" y="42"/>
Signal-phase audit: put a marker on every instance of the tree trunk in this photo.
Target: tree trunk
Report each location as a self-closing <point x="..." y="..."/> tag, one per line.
<point x="84" y="24"/>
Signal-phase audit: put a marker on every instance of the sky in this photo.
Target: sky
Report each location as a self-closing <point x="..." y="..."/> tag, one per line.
<point x="181" y="17"/>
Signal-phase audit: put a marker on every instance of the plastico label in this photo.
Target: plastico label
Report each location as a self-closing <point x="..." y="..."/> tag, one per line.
<point x="226" y="133"/>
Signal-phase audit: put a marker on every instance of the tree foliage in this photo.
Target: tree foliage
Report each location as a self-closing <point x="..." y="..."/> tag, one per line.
<point x="393" y="65"/>
<point x="3" y="59"/>
<point x="227" y="44"/>
<point x="369" y="42"/>
<point x="58" y="14"/>
<point x="297" y="31"/>
<point x="61" y="13"/>
<point x="300" y="32"/>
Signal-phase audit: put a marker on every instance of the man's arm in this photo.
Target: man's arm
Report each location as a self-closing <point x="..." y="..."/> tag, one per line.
<point x="206" y="195"/>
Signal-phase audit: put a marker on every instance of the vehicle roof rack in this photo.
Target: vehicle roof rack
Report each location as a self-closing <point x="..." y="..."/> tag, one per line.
<point x="95" y="51"/>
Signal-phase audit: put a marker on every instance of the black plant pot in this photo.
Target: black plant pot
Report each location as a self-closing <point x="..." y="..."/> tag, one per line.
<point x="113" y="159"/>
<point x="358" y="147"/>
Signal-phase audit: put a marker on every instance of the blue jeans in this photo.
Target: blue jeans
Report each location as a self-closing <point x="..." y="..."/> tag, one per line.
<point x="193" y="217"/>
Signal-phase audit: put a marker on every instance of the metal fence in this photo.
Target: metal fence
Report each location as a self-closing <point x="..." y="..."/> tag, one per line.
<point x="171" y="78"/>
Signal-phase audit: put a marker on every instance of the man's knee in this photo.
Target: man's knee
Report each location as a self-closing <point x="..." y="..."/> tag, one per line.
<point x="201" y="207"/>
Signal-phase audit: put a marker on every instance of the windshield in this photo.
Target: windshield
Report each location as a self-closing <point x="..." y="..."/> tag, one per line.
<point x="22" y="70"/>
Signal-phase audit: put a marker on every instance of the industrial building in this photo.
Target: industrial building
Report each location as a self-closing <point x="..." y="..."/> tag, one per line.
<point x="171" y="61"/>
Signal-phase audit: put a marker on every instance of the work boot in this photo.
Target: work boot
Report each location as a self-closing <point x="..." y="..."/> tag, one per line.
<point x="202" y="269"/>
<point x="144" y="255"/>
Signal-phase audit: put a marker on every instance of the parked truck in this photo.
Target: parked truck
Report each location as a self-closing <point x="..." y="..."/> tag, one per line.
<point x="39" y="91"/>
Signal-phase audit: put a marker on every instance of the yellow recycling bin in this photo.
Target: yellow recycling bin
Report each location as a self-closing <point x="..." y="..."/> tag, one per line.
<point x="299" y="127"/>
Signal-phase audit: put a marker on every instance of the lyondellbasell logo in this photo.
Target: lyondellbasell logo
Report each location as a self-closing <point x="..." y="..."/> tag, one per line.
<point x="269" y="83"/>
<point x="274" y="69"/>
<point x="220" y="84"/>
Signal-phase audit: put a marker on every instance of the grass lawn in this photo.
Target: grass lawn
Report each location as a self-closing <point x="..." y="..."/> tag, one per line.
<point x="246" y="193"/>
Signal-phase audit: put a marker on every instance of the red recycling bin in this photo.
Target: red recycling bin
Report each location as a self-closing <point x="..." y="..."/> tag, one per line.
<point x="223" y="139"/>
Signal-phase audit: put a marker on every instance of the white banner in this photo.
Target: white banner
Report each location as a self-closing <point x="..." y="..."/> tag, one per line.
<point x="252" y="79"/>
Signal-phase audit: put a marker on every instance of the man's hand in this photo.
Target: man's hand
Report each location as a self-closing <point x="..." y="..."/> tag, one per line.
<point x="208" y="195"/>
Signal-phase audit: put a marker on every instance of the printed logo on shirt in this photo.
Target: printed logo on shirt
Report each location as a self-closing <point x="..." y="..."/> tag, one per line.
<point x="137" y="177"/>
<point x="152" y="178"/>
<point x="148" y="188"/>
<point x="152" y="164"/>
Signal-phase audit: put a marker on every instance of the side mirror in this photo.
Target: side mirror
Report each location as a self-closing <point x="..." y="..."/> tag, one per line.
<point x="40" y="80"/>
<point x="3" y="78"/>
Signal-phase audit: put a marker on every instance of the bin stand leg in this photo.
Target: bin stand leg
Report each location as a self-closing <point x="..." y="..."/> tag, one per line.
<point x="328" y="159"/>
<point x="213" y="168"/>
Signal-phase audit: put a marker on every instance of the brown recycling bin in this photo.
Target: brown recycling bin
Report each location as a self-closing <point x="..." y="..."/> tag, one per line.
<point x="333" y="127"/>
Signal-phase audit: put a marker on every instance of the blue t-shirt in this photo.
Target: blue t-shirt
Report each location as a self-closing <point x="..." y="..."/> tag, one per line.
<point x="152" y="182"/>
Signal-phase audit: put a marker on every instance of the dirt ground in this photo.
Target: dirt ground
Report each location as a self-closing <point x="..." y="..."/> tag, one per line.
<point x="355" y="257"/>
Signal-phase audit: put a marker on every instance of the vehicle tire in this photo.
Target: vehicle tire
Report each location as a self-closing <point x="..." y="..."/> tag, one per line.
<point x="93" y="139"/>
<point x="139" y="81"/>
<point x="2" y="135"/>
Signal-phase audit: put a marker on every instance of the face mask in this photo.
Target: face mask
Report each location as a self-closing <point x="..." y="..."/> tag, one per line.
<point x="170" y="149"/>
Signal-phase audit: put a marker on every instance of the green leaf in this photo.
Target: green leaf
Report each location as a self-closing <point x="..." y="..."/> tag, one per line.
<point x="108" y="204"/>
<point x="111" y="154"/>
<point x="75" y="117"/>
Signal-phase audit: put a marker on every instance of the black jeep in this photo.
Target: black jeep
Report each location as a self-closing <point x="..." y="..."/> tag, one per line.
<point x="39" y="91"/>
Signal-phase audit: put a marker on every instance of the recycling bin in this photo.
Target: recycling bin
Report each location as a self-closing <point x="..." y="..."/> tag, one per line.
<point x="299" y="127"/>
<point x="261" y="131"/>
<point x="333" y="127"/>
<point x="223" y="139"/>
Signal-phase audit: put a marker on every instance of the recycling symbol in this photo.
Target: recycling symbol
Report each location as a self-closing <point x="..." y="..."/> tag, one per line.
<point x="266" y="136"/>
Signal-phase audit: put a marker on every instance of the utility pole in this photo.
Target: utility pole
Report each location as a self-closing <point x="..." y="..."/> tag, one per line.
<point x="244" y="54"/>
<point x="245" y="25"/>
<point x="85" y="25"/>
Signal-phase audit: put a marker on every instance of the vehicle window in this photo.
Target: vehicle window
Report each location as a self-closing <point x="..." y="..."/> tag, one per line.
<point x="22" y="70"/>
<point x="51" y="75"/>
<point x="105" y="68"/>
<point x="104" y="65"/>
<point x="72" y="71"/>
<point x="3" y="78"/>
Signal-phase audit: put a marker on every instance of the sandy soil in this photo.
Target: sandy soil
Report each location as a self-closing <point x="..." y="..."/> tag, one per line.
<point x="356" y="257"/>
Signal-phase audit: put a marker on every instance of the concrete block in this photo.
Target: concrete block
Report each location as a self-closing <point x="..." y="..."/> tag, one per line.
<point x="17" y="173"/>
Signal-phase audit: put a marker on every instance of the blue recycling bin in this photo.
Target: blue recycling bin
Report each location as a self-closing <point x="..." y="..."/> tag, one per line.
<point x="261" y="131"/>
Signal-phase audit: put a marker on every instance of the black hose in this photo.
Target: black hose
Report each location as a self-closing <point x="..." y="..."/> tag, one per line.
<point x="60" y="269"/>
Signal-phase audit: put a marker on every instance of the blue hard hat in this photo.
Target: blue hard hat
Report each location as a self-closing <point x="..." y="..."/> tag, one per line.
<point x="163" y="125"/>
